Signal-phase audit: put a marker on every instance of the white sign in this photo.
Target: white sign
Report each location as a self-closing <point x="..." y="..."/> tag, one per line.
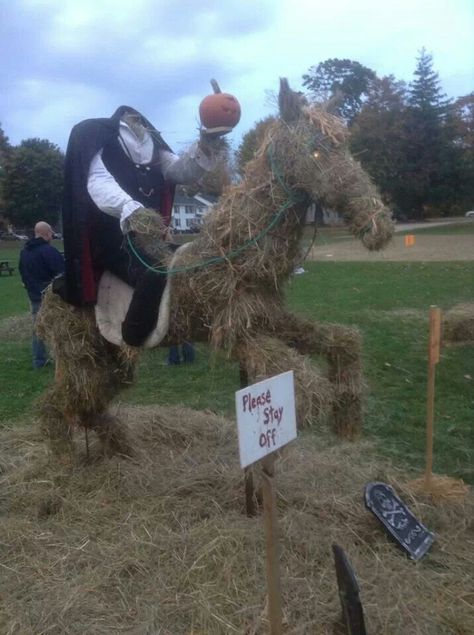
<point x="266" y="417"/>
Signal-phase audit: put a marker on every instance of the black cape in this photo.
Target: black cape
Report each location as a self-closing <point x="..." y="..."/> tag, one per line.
<point x="86" y="139"/>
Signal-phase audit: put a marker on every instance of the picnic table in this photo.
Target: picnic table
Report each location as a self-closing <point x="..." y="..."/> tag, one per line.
<point x="6" y="267"/>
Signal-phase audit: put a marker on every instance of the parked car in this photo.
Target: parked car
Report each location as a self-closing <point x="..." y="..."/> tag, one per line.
<point x="9" y="236"/>
<point x="469" y="214"/>
<point x="57" y="236"/>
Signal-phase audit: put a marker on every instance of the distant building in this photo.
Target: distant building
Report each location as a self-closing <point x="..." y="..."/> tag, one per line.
<point x="323" y="216"/>
<point x="188" y="211"/>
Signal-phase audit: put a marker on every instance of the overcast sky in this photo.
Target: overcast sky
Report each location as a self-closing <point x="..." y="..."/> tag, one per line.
<point x="66" y="60"/>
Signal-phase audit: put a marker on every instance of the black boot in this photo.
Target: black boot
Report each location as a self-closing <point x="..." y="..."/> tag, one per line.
<point x="143" y="311"/>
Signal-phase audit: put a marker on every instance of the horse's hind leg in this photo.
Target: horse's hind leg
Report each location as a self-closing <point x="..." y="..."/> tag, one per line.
<point x="89" y="373"/>
<point x="79" y="398"/>
<point x="55" y="425"/>
<point x="110" y="372"/>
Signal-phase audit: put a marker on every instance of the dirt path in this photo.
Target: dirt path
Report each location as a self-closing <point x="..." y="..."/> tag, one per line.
<point x="426" y="248"/>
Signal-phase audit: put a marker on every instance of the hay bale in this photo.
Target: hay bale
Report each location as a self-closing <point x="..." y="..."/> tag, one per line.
<point x="160" y="543"/>
<point x="458" y="325"/>
<point x="92" y="370"/>
<point x="89" y="373"/>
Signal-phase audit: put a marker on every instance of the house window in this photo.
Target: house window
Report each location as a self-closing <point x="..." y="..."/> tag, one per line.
<point x="189" y="223"/>
<point x="177" y="222"/>
<point x="189" y="209"/>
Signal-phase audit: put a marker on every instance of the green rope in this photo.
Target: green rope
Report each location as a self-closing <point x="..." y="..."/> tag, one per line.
<point x="292" y="199"/>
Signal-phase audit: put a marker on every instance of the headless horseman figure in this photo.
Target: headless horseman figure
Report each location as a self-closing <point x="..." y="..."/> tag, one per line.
<point x="115" y="168"/>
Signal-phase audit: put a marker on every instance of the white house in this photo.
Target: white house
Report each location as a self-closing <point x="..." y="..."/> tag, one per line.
<point x="188" y="211"/>
<point x="323" y="216"/>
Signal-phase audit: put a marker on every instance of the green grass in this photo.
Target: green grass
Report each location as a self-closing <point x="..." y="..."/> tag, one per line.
<point x="389" y="302"/>
<point x="447" y="230"/>
<point x="13" y="297"/>
<point x="331" y="235"/>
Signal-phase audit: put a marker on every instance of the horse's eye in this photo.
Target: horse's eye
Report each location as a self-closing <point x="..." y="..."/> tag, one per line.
<point x="315" y="145"/>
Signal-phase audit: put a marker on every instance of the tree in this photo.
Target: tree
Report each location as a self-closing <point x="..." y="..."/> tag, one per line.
<point x="378" y="139"/>
<point x="460" y="127"/>
<point x="416" y="145"/>
<point x="251" y="141"/>
<point x="348" y="80"/>
<point x="5" y="150"/>
<point x="5" y="147"/>
<point x="33" y="182"/>
<point x="462" y="113"/>
<point x="425" y="90"/>
<point x="428" y="142"/>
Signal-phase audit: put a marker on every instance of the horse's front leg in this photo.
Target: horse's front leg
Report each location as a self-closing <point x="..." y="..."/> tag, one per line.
<point x="341" y="346"/>
<point x="262" y="356"/>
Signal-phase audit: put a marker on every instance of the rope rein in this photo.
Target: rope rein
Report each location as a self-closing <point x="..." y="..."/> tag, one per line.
<point x="292" y="199"/>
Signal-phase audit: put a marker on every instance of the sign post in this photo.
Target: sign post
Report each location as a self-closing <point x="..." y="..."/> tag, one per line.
<point x="433" y="359"/>
<point x="275" y="612"/>
<point x="266" y="421"/>
<point x="437" y="486"/>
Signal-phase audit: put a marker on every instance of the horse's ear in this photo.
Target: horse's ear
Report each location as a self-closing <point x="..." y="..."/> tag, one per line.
<point x="290" y="103"/>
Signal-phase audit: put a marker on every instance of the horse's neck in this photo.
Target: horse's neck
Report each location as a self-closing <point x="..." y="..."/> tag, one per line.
<point x="259" y="208"/>
<point x="282" y="213"/>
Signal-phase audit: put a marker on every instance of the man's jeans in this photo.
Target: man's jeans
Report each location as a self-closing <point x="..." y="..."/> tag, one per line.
<point x="40" y="356"/>
<point x="187" y="350"/>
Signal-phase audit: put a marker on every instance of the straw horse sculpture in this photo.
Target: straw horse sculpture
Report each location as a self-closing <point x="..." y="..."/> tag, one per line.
<point x="227" y="286"/>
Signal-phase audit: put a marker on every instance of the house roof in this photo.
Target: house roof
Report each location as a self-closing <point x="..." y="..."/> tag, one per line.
<point x="198" y="200"/>
<point x="182" y="199"/>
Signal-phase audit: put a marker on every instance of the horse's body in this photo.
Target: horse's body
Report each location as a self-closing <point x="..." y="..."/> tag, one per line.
<point x="226" y="287"/>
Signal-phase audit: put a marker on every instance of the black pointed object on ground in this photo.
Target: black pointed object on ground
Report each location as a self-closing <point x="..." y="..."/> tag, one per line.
<point x="352" y="612"/>
<point x="398" y="520"/>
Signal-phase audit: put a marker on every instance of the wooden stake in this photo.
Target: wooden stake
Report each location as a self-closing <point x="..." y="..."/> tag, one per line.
<point x="433" y="359"/>
<point x="275" y="614"/>
<point x="250" y="499"/>
<point x="439" y="488"/>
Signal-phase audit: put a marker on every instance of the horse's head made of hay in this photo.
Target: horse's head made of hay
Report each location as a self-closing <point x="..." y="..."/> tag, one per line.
<point x="307" y="148"/>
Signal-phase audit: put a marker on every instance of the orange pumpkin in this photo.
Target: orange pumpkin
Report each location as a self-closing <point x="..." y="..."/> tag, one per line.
<point x="219" y="110"/>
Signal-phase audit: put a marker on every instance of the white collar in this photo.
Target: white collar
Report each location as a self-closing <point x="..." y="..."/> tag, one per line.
<point x="141" y="150"/>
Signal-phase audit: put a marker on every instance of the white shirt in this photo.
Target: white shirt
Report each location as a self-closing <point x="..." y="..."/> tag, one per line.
<point x="113" y="200"/>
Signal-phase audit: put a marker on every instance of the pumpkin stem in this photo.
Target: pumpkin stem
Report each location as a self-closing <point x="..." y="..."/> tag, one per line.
<point x="215" y="86"/>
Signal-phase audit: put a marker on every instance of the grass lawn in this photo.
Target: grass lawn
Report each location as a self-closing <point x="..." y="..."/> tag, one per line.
<point x="389" y="302"/>
<point x="331" y="235"/>
<point x="447" y="230"/>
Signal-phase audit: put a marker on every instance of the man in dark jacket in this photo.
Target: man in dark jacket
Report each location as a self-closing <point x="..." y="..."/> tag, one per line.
<point x="40" y="262"/>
